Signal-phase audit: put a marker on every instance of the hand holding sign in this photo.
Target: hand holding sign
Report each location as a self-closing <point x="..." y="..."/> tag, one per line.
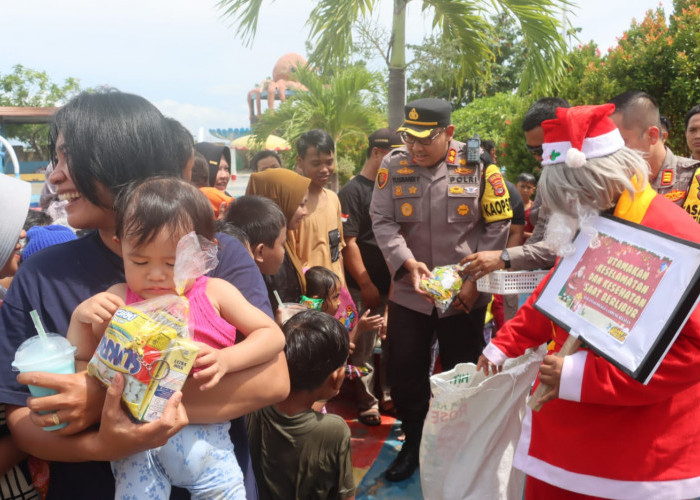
<point x="551" y="371"/>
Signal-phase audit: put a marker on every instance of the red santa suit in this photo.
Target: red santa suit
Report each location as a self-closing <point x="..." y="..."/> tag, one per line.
<point x="608" y="435"/>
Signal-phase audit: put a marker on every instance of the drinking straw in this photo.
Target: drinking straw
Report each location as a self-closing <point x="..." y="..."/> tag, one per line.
<point x="277" y="296"/>
<point x="37" y="324"/>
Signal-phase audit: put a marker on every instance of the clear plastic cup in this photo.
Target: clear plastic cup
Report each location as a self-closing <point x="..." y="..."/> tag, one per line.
<point x="53" y="355"/>
<point x="289" y="309"/>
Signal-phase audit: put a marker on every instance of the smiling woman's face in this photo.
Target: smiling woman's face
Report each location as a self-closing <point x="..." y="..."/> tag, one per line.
<point x="81" y="213"/>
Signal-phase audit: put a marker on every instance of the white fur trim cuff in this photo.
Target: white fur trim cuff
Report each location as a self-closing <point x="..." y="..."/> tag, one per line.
<point x="602" y="145"/>
<point x="494" y="354"/>
<point x="572" y="376"/>
<point x="592" y="147"/>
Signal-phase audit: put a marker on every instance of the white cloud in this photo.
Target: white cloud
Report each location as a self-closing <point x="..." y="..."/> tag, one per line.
<point x="184" y="57"/>
<point x="195" y="117"/>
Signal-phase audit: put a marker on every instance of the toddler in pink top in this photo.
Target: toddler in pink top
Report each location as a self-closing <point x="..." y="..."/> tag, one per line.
<point x="151" y="218"/>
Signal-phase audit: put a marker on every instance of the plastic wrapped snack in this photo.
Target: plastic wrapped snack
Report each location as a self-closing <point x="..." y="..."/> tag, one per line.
<point x="311" y="303"/>
<point x="443" y="286"/>
<point x="149" y="342"/>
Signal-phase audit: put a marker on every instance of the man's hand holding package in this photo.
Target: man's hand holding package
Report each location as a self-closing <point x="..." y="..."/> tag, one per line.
<point x="482" y="263"/>
<point x="418" y="270"/>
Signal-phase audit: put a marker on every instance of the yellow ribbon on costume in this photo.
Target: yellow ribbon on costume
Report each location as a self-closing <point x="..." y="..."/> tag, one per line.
<point x="633" y="209"/>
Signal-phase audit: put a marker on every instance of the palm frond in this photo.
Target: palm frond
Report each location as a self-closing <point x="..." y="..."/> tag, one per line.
<point x="342" y="105"/>
<point x="543" y="39"/>
<point x="466" y="22"/>
<point x="244" y="16"/>
<point x="331" y="24"/>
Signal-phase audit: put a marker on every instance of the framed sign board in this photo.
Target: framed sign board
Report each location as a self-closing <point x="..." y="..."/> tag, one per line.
<point x="626" y="293"/>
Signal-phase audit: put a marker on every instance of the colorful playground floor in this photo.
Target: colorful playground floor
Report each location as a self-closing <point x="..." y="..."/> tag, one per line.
<point x="373" y="449"/>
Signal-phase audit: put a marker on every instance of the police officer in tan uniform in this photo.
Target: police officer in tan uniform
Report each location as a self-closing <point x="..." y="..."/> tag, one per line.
<point x="432" y="205"/>
<point x="637" y="117"/>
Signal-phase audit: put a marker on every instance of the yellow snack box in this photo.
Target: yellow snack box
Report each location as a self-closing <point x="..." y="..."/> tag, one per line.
<point x="152" y="349"/>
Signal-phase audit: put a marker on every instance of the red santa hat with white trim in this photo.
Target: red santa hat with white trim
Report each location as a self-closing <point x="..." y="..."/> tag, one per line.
<point x="580" y="133"/>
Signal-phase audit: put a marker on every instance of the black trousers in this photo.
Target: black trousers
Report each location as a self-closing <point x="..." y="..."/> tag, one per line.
<point x="410" y="335"/>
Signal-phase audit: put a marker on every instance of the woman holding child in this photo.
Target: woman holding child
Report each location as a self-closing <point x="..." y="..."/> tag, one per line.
<point x="103" y="142"/>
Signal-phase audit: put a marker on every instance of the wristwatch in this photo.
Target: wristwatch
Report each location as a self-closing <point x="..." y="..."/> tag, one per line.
<point x="505" y="257"/>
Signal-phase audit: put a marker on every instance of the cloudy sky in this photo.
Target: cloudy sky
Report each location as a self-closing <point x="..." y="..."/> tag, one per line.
<point x="182" y="56"/>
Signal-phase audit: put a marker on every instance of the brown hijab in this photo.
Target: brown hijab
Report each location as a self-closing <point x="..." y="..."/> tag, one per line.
<point x="287" y="189"/>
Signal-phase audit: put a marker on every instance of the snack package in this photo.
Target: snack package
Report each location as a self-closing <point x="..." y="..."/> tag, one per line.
<point x="149" y="342"/>
<point x="443" y="286"/>
<point x="311" y="303"/>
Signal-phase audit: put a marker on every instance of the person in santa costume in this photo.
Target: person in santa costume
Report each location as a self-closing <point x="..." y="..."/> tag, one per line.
<point x="601" y="433"/>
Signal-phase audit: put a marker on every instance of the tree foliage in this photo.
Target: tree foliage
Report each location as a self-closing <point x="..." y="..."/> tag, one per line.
<point x="659" y="57"/>
<point x="654" y="55"/>
<point x="343" y="104"/>
<point x="331" y="34"/>
<point x="28" y="87"/>
<point x="587" y="80"/>
<point x="488" y="117"/>
<point x="433" y="72"/>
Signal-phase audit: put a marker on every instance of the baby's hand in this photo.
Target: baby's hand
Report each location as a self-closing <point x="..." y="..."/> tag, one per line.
<point x="215" y="369"/>
<point x="98" y="309"/>
<point x="367" y="322"/>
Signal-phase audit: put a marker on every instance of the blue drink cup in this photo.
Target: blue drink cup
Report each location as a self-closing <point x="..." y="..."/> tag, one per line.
<point x="54" y="354"/>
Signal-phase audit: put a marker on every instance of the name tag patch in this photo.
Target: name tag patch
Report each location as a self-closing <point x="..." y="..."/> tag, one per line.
<point x="405" y="179"/>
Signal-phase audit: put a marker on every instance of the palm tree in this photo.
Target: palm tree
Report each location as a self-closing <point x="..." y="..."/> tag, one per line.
<point x="331" y="23"/>
<point x="341" y="105"/>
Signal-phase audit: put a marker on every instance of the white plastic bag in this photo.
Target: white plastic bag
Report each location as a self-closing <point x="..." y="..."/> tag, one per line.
<point x="472" y="428"/>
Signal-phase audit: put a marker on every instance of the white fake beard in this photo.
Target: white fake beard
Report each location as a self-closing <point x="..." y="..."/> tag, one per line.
<point x="561" y="229"/>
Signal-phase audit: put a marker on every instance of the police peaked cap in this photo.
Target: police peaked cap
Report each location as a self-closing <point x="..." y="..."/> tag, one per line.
<point x="423" y="116"/>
